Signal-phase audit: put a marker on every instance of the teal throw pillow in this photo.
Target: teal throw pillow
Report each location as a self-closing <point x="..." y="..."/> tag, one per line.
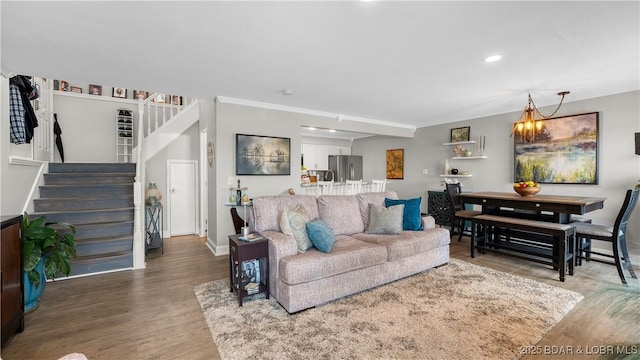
<point x="321" y="235"/>
<point x="383" y="220"/>
<point x="411" y="220"/>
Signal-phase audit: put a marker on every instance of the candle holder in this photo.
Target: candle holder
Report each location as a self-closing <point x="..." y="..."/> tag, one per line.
<point x="480" y="143"/>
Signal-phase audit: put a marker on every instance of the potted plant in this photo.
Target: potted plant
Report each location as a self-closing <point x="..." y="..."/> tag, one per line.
<point x="47" y="249"/>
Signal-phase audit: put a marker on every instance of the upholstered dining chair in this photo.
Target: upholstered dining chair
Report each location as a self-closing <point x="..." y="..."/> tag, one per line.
<point x="616" y="235"/>
<point x="352" y="187"/>
<point x="324" y="187"/>
<point x="461" y="215"/>
<point x="378" y="185"/>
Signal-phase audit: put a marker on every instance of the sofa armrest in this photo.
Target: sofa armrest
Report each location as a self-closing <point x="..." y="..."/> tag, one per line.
<point x="428" y="222"/>
<point x="280" y="245"/>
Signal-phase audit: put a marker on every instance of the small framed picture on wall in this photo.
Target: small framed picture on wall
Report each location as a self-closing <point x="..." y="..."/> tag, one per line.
<point x="460" y="134"/>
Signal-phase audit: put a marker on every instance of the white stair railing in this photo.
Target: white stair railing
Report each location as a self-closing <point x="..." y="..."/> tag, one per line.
<point x="153" y="113"/>
<point x="160" y="108"/>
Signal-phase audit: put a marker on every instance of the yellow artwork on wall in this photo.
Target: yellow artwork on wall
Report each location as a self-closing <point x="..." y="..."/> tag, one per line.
<point x="395" y="164"/>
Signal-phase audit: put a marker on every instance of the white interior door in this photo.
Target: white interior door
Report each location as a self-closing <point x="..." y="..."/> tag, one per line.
<point x="182" y="197"/>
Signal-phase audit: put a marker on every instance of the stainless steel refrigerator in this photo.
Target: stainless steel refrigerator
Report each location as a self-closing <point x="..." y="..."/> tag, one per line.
<point x="345" y="167"/>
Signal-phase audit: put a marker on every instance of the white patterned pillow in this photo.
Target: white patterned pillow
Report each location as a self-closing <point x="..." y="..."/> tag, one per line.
<point x="293" y="222"/>
<point x="385" y="220"/>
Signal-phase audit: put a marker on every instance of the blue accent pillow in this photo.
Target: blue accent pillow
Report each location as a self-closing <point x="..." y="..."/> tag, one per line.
<point x="321" y="235"/>
<point x="411" y="218"/>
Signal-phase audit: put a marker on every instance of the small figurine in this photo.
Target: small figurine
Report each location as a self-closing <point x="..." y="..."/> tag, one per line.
<point x="459" y="150"/>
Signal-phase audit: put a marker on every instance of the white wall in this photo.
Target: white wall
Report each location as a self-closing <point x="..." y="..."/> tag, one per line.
<point x="89" y="126"/>
<point x="619" y="167"/>
<point x="15" y="180"/>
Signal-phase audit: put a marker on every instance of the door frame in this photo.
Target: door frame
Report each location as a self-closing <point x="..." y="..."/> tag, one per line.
<point x="196" y="197"/>
<point x="203" y="185"/>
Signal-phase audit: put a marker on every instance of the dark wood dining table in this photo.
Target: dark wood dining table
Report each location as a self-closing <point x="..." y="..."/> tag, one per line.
<point x="553" y="208"/>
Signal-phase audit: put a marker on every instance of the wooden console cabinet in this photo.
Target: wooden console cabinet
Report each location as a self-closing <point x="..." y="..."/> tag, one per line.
<point x="12" y="287"/>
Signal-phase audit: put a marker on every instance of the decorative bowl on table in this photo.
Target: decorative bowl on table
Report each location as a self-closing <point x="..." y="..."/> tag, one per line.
<point x="525" y="189"/>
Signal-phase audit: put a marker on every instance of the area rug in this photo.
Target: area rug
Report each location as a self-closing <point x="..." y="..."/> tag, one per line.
<point x="457" y="311"/>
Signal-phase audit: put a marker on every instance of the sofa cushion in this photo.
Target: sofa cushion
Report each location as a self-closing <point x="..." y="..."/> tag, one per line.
<point x="409" y="243"/>
<point x="364" y="199"/>
<point x="293" y="222"/>
<point x="412" y="219"/>
<point x="348" y="254"/>
<point x="341" y="213"/>
<point x="267" y="209"/>
<point x="320" y="235"/>
<point x="383" y="220"/>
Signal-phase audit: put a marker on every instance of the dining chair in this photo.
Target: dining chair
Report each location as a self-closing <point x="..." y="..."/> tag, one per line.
<point x="461" y="215"/>
<point x="324" y="187"/>
<point x="353" y="187"/>
<point x="616" y="235"/>
<point x="238" y="223"/>
<point x="378" y="185"/>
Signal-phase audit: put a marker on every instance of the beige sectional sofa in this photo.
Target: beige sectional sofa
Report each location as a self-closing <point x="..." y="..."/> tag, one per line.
<point x="358" y="260"/>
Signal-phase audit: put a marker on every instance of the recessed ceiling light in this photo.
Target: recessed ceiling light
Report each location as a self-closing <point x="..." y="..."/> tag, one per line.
<point x="492" y="58"/>
<point x="332" y="130"/>
<point x="311" y="128"/>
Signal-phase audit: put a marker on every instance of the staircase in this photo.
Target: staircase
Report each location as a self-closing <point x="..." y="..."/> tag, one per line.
<point x="98" y="200"/>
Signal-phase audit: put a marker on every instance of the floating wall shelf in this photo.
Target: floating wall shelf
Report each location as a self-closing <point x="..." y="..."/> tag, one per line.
<point x="468" y="157"/>
<point x="460" y="142"/>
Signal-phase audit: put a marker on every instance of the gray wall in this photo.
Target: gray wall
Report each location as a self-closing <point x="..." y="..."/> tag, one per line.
<point x="231" y="119"/>
<point x="185" y="147"/>
<point x="619" y="167"/>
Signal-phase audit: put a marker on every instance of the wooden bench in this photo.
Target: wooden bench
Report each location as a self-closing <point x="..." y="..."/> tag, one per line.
<point x="544" y="242"/>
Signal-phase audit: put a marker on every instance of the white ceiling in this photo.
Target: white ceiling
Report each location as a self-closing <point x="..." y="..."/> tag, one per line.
<point x="416" y="63"/>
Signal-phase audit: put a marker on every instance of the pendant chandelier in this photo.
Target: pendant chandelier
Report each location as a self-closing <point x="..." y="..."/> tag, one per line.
<point x="529" y="126"/>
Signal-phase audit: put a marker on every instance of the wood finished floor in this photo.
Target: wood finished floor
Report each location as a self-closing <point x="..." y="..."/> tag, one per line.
<point x="153" y="313"/>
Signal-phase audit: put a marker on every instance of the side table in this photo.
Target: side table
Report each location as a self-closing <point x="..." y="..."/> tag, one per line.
<point x="154" y="228"/>
<point x="240" y="252"/>
<point x="439" y="206"/>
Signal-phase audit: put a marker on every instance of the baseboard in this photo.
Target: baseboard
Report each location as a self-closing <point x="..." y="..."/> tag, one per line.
<point x="217" y="250"/>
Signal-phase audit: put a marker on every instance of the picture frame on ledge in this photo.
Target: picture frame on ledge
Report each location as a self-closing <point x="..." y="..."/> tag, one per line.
<point x="460" y="134"/>
<point x="95" y="89"/>
<point x="119" y="93"/>
<point x="262" y="155"/>
<point x="64" y="86"/>
<point x="140" y="94"/>
<point x="176" y="100"/>
<point x="159" y="99"/>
